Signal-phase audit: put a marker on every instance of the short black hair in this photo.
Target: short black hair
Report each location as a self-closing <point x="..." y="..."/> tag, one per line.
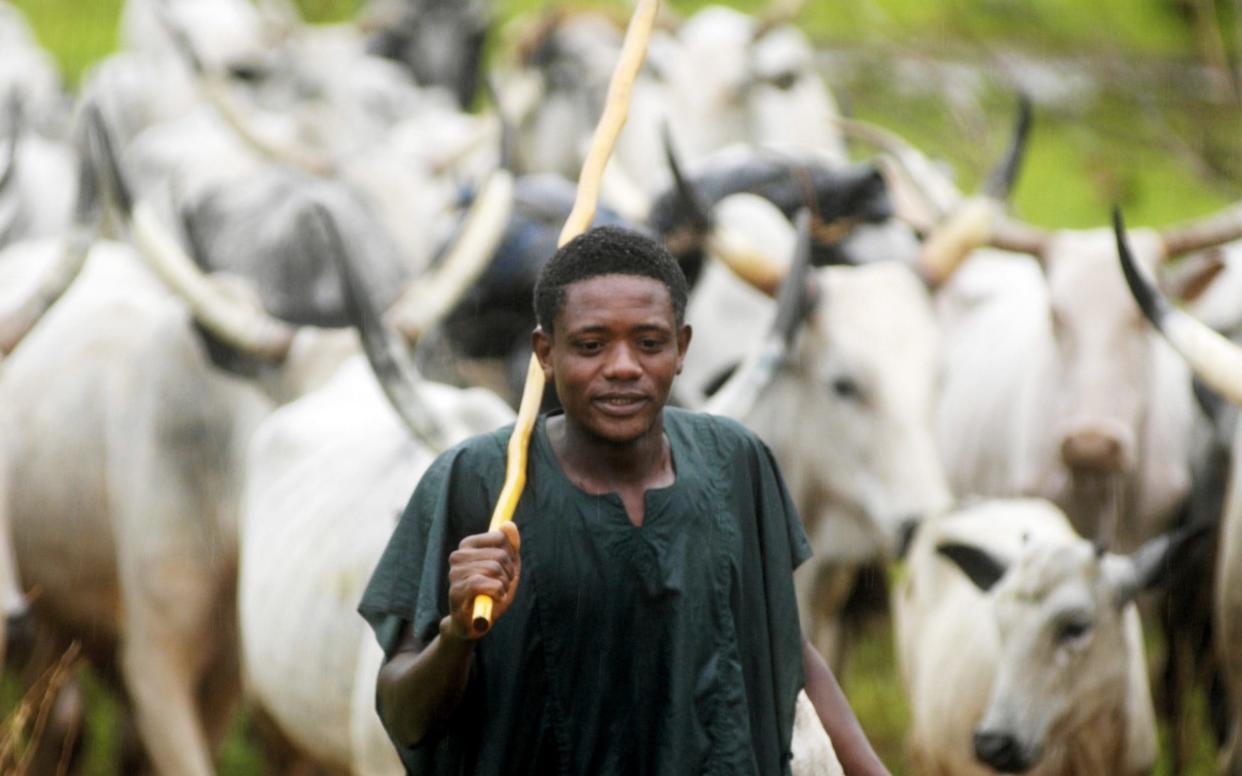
<point x="607" y="250"/>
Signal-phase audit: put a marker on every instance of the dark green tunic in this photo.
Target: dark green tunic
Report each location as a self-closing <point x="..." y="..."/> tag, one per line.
<point x="671" y="648"/>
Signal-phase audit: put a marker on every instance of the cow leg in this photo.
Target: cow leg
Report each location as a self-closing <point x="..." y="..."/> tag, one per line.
<point x="823" y="590"/>
<point x="1229" y="632"/>
<point x="220" y="687"/>
<point x="171" y="638"/>
<point x="161" y="685"/>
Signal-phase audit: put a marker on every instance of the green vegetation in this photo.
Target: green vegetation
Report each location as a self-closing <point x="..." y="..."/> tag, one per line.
<point x="1157" y="145"/>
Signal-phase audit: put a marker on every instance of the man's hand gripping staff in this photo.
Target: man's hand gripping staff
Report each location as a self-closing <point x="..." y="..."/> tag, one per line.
<point x="616" y="108"/>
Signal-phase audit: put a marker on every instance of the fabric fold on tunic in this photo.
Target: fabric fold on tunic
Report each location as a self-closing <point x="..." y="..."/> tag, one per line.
<point x="667" y="648"/>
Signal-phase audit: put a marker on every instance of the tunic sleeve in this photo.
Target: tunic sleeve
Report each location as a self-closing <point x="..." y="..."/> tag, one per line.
<point x="410" y="582"/>
<point x="782" y="513"/>
<point x="769" y="618"/>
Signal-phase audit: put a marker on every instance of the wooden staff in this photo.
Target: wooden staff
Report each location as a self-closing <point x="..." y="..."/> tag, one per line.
<point x="616" y="108"/>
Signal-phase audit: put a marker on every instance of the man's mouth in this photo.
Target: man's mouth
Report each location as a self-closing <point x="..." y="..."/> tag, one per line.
<point x="620" y="404"/>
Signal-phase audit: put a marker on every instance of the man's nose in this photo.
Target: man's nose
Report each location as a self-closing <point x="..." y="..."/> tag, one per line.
<point x="623" y="364"/>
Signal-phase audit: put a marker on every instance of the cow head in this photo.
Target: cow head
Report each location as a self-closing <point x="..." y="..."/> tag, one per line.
<point x="1104" y="352"/>
<point x="440" y="41"/>
<point x="848" y="404"/>
<point x="1117" y="404"/>
<point x="1065" y="648"/>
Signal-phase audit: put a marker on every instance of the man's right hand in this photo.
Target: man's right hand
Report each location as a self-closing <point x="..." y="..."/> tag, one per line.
<point x="483" y="564"/>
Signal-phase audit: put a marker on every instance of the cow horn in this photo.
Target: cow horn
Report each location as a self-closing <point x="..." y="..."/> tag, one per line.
<point x="215" y="90"/>
<point x="796" y="297"/>
<point x="777" y="13"/>
<point x="432" y="296"/>
<point x="980" y="219"/>
<point x="999" y="184"/>
<point x="1221" y="227"/>
<point x="930" y="187"/>
<point x="8" y="172"/>
<point x="733" y="248"/>
<point x="1216" y="360"/>
<point x="239" y="326"/>
<point x="17" y="322"/>
<point x="795" y="300"/>
<point x="385" y="350"/>
<point x="746" y="257"/>
<point x="696" y="206"/>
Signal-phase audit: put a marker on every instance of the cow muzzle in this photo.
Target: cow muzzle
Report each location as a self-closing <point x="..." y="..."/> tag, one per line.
<point x="1003" y="751"/>
<point x="1096" y="450"/>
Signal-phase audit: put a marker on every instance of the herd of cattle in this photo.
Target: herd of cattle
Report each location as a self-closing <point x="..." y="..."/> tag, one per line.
<point x="255" y="274"/>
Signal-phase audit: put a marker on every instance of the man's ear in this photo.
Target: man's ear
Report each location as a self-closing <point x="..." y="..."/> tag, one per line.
<point x="683" y="344"/>
<point x="541" y="343"/>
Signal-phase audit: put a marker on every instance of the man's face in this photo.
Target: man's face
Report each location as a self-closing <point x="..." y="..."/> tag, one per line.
<point x="613" y="354"/>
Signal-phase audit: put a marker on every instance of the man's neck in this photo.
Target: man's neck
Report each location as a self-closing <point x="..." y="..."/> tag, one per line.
<point x="599" y="465"/>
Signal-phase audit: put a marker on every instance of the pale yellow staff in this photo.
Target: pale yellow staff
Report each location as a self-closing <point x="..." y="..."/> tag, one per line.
<point x="616" y="108"/>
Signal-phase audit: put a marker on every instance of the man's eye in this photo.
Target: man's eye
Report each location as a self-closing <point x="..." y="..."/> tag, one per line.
<point x="592" y="346"/>
<point x="651" y="344"/>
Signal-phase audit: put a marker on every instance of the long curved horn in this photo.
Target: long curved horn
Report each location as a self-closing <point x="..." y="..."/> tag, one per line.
<point x="215" y="90"/>
<point x="1216" y="360"/>
<point x="777" y="13"/>
<point x="87" y="217"/>
<point x="1221" y="227"/>
<point x="730" y="245"/>
<point x="753" y="260"/>
<point x="432" y="296"/>
<point x="245" y="328"/>
<point x="8" y="169"/>
<point x="385" y="351"/>
<point x="935" y="192"/>
<point x="980" y="220"/>
<point x="1000" y="181"/>
<point x="795" y="300"/>
<point x="697" y="208"/>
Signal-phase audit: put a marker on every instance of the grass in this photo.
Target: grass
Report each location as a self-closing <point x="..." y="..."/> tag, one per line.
<point x="1163" y="152"/>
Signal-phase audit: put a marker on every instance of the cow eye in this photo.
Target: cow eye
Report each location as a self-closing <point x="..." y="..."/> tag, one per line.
<point x="247" y="72"/>
<point x="1073" y="630"/>
<point x="846" y="387"/>
<point x="784" y="81"/>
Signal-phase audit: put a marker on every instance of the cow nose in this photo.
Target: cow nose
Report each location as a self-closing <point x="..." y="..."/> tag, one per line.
<point x="1001" y="751"/>
<point x="1093" y="451"/>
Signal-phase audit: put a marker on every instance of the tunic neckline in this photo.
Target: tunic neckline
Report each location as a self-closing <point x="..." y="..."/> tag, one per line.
<point x="652" y="497"/>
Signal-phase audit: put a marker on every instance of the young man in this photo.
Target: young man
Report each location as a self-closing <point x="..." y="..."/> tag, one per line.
<point x="645" y="620"/>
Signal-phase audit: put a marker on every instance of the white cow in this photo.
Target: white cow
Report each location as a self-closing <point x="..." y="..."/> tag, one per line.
<point x="1054" y="388"/>
<point x="328" y="475"/>
<point x="122" y="496"/>
<point x="1020" y="647"/>
<point x="722" y="78"/>
<point x="848" y="415"/>
<point x="1219" y="363"/>
<point x="30" y="74"/>
<point x="123" y="455"/>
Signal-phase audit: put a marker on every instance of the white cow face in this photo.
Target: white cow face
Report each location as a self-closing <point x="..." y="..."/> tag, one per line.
<point x="1058" y="611"/>
<point x="857" y="407"/>
<point x="1104" y="351"/>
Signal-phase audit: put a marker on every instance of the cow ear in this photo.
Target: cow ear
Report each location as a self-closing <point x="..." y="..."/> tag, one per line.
<point x="1150" y="565"/>
<point x="980" y="566"/>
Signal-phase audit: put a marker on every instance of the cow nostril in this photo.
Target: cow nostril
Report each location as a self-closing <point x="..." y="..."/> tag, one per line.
<point x="1001" y="751"/>
<point x="1092" y="451"/>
